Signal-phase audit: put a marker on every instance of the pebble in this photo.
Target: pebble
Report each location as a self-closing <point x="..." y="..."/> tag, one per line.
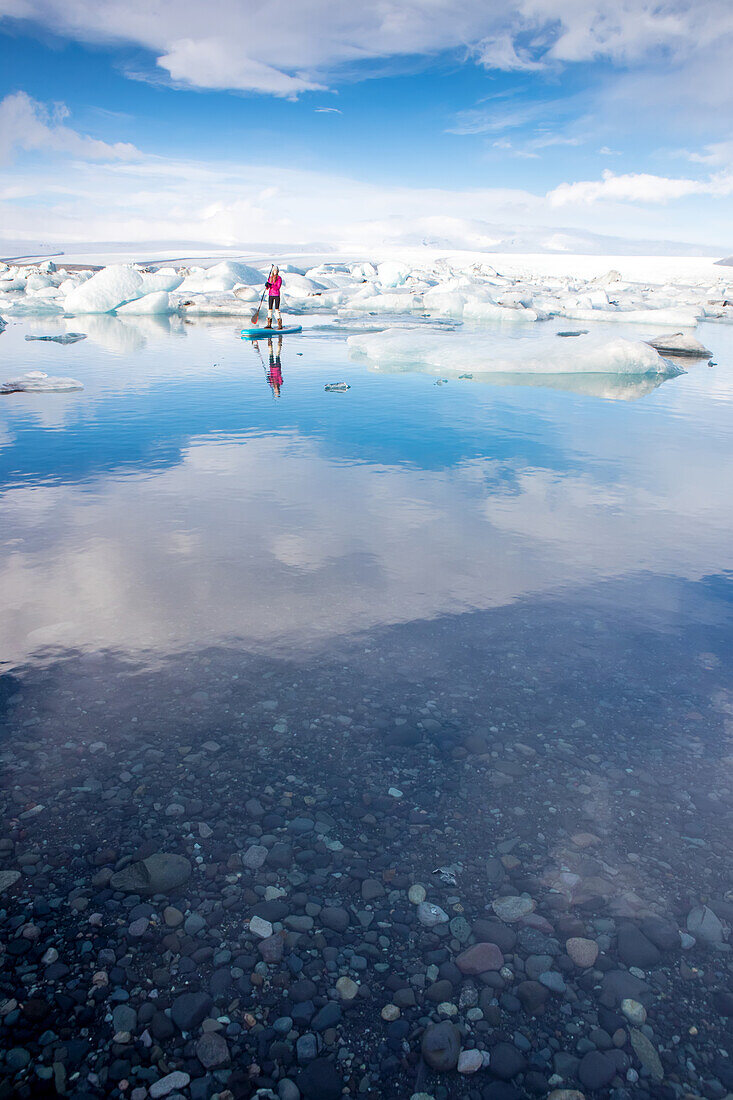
<point x="470" y="1061"/>
<point x="417" y="893"/>
<point x="479" y="958"/>
<point x="634" y="1012"/>
<point x="259" y="927"/>
<point x="512" y="909"/>
<point x="441" y="1046"/>
<point x="172" y="1082"/>
<point x="430" y="914"/>
<point x="347" y="989"/>
<point x="583" y="952"/>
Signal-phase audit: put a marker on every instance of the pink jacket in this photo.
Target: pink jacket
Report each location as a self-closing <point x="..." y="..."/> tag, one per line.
<point x="274" y="285"/>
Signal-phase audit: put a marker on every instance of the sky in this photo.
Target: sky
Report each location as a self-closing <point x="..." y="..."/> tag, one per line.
<point x="301" y="123"/>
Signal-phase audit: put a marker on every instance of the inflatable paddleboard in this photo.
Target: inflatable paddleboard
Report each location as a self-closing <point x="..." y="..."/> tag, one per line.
<point x="263" y="333"/>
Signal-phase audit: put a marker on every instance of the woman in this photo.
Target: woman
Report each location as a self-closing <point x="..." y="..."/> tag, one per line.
<point x="274" y="286"/>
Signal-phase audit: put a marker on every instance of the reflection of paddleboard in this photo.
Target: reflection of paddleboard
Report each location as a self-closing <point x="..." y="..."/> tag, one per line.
<point x="261" y="333"/>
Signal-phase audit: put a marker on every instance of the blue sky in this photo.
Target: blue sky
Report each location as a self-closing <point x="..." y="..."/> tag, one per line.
<point x="300" y="122"/>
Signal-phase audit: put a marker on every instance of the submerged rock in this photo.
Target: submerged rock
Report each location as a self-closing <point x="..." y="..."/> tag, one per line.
<point x="158" y="874"/>
<point x="441" y="1046"/>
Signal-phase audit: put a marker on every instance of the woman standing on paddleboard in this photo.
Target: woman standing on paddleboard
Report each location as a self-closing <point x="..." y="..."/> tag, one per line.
<point x="274" y="286"/>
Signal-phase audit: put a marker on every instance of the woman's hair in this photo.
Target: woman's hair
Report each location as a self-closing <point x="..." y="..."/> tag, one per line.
<point x="275" y="270"/>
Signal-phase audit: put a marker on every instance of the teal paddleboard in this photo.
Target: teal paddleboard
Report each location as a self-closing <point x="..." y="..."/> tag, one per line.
<point x="262" y="333"/>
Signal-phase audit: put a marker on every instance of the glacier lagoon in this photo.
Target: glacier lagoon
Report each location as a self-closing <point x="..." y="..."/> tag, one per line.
<point x="465" y="638"/>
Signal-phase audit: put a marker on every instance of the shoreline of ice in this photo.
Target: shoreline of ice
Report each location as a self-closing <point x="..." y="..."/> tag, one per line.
<point x="463" y="291"/>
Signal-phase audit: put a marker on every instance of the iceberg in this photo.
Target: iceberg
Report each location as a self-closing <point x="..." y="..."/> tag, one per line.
<point x="222" y="277"/>
<point x="157" y="302"/>
<point x="35" y="381"/>
<point x="106" y="290"/>
<point x="442" y="353"/>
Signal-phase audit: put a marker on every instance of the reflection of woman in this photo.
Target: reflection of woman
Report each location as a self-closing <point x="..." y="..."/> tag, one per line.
<point x="275" y="374"/>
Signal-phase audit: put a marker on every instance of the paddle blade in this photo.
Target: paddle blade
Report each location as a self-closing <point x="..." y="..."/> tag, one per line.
<point x="255" y="318"/>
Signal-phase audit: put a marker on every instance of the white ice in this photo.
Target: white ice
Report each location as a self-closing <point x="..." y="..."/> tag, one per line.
<point x="453" y="354"/>
<point x="35" y="381"/>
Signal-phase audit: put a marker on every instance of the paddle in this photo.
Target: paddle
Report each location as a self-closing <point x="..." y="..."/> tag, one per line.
<point x="256" y="315"/>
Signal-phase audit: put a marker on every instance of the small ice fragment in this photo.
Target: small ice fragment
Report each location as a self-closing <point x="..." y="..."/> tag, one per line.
<point x="337" y="387"/>
<point x="63" y="338"/>
<point x="35" y="381"/>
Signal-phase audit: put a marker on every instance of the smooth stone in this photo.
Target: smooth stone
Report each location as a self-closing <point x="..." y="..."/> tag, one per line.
<point x="193" y="924"/>
<point x="635" y="949"/>
<point x="634" y="1012"/>
<point x="646" y="1053"/>
<point x="429" y="914"/>
<point x="581" y="951"/>
<point x="551" y="979"/>
<point x="190" y="1009"/>
<point x="124" y="1018"/>
<point x="347" y="989"/>
<point x="506" y="1061"/>
<point x="371" y="889"/>
<point x="470" y="1061"/>
<point x="8" y="879"/>
<point x="320" y="1081"/>
<point x="479" y="958"/>
<point x="596" y="1070"/>
<point x="172" y="1081"/>
<point x="254" y="857"/>
<point x="158" y="874"/>
<point x="417" y="893"/>
<point x="261" y="928"/>
<point x="335" y="918"/>
<point x="441" y="1046"/>
<point x="513" y="908"/>
<point x="212" y="1050"/>
<point x="705" y="926"/>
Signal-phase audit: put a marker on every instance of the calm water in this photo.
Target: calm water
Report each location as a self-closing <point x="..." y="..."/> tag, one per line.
<point x="535" y="582"/>
<point x="176" y="501"/>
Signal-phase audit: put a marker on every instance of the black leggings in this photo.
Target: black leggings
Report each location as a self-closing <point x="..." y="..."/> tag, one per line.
<point x="273" y="300"/>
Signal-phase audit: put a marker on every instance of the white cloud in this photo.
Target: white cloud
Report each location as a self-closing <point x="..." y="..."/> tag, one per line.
<point x="28" y="125"/>
<point x="285" y="48"/>
<point x="638" y="187"/>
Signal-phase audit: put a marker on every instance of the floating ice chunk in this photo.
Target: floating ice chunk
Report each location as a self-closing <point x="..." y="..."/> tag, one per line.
<point x="62" y="338"/>
<point x="35" y="381"/>
<point x="678" y="318"/>
<point x="157" y="302"/>
<point x="106" y="290"/>
<point x="32" y="307"/>
<point x="679" y="344"/>
<point x="337" y="387"/>
<point x="439" y="353"/>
